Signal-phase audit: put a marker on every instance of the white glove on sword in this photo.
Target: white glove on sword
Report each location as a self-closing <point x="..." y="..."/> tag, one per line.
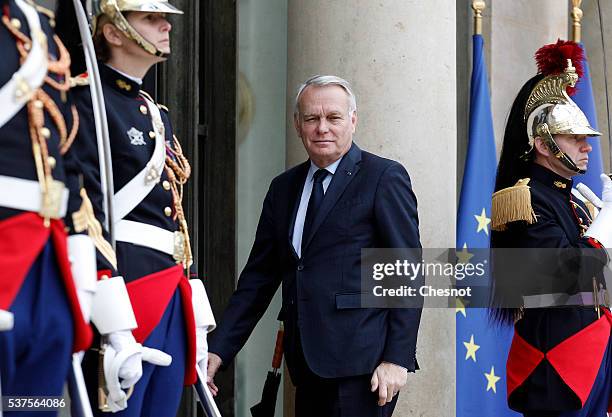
<point x="114" y="318"/>
<point x="601" y="228"/>
<point x="123" y="358"/>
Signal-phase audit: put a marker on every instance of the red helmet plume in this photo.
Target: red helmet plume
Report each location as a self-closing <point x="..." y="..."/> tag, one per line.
<point x="552" y="59"/>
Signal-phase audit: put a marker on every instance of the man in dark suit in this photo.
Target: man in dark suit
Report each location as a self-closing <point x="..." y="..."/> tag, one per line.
<point x="316" y="218"/>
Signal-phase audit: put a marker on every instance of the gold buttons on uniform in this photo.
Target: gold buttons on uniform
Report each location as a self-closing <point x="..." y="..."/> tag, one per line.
<point x="152" y="134"/>
<point x="166" y="185"/>
<point x="45" y="132"/>
<point x="52" y="162"/>
<point x="143" y="109"/>
<point x="15" y="23"/>
<point x="38" y="104"/>
<point x="168" y="211"/>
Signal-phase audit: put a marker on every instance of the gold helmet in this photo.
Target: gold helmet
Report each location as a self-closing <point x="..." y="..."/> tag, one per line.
<point x="114" y="10"/>
<point x="550" y="110"/>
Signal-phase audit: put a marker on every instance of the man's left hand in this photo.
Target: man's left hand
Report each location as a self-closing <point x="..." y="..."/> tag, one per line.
<point x="388" y="379"/>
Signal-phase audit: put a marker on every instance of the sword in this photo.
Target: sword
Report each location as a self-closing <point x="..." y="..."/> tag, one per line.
<point x="79" y="398"/>
<point x="204" y="395"/>
<point x="99" y="111"/>
<point x="78" y="392"/>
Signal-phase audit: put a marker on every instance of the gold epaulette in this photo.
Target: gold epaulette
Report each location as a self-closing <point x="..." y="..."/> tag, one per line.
<point x="512" y="204"/>
<point x="79" y="80"/>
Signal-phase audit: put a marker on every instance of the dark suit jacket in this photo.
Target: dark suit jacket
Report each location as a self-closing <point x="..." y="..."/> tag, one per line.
<point x="368" y="204"/>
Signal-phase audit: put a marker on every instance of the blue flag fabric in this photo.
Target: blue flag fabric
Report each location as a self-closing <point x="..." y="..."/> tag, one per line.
<point x="481" y="348"/>
<point x="584" y="100"/>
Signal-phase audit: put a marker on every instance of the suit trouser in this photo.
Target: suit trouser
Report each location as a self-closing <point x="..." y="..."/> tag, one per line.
<point x="35" y="354"/>
<point x="339" y="397"/>
<point x="598" y="400"/>
<point x="336" y="397"/>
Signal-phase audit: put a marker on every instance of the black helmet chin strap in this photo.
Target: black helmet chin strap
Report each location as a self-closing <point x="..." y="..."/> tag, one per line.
<point x="543" y="132"/>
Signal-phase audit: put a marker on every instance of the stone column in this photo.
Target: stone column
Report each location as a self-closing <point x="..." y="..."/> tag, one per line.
<point x="399" y="56"/>
<point x="518" y="29"/>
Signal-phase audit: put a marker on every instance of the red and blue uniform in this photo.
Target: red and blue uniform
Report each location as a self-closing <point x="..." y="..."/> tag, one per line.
<point x="36" y="282"/>
<point x="560" y="360"/>
<point x="157" y="285"/>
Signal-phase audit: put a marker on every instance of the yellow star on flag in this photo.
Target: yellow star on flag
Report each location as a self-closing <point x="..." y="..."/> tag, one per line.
<point x="460" y="306"/>
<point x="483" y="222"/>
<point x="463" y="257"/>
<point x="492" y="380"/>
<point x="471" y="349"/>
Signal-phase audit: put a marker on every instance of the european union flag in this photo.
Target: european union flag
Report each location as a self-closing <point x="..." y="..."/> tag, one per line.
<point x="584" y="100"/>
<point x="482" y="349"/>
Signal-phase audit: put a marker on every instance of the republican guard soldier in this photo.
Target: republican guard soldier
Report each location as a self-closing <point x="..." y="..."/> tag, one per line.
<point x="172" y="313"/>
<point x="42" y="268"/>
<point x="560" y="363"/>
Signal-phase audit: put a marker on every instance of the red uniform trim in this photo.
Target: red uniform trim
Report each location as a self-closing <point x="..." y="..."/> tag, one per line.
<point x="595" y="243"/>
<point x="588" y="344"/>
<point x="190" y="373"/>
<point x="150" y="296"/>
<point x="23" y="237"/>
<point x="104" y="273"/>
<point x="522" y="360"/>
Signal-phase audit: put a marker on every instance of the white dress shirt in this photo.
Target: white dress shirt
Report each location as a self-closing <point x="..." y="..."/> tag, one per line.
<point x="298" y="227"/>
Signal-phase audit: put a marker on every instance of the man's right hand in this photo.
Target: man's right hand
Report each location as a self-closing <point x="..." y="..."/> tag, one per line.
<point x="214" y="363"/>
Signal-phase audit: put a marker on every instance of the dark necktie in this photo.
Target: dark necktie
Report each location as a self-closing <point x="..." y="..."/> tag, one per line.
<point x="316" y="197"/>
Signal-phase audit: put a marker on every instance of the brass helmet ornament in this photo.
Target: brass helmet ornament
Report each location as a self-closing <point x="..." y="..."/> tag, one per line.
<point x="114" y="10"/>
<point x="550" y="110"/>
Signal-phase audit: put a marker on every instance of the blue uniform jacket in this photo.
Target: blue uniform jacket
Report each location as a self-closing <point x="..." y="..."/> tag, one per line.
<point x="126" y="111"/>
<point x="16" y="157"/>
<point x="570" y="261"/>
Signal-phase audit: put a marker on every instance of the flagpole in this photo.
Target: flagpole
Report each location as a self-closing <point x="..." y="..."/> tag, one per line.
<point x="478" y="6"/>
<point x="576" y="18"/>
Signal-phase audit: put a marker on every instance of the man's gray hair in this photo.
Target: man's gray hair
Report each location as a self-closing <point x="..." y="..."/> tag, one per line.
<point x="323" y="80"/>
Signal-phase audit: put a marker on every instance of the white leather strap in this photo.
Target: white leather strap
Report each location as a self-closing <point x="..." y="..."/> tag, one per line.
<point x="147" y="235"/>
<point x="132" y="193"/>
<point x="26" y="195"/>
<point x="18" y="90"/>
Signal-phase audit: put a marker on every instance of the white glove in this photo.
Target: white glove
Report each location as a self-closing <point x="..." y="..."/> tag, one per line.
<point x="82" y="255"/>
<point x="123" y="358"/>
<point x="113" y="315"/>
<point x="130" y="369"/>
<point x="601" y="228"/>
<point x="204" y="321"/>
